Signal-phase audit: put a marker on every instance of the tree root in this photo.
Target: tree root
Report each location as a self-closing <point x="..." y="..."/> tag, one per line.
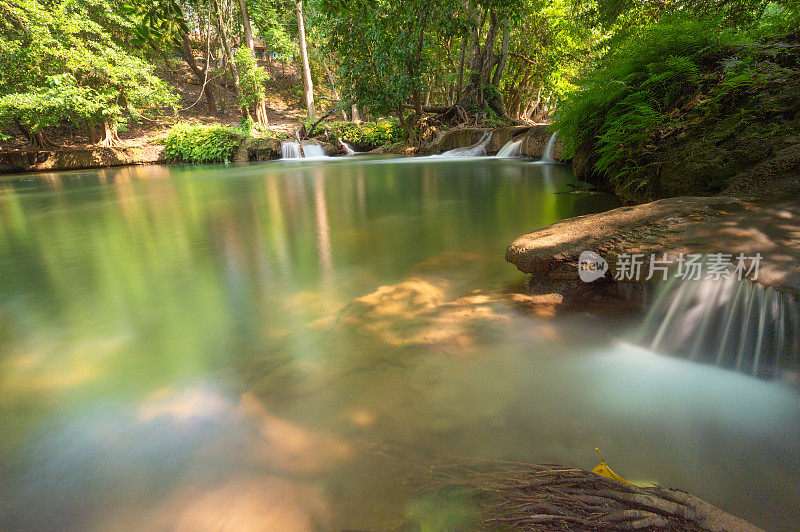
<point x="550" y="497"/>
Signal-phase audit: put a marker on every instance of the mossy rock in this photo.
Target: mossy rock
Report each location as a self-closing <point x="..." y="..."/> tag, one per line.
<point x="257" y="149"/>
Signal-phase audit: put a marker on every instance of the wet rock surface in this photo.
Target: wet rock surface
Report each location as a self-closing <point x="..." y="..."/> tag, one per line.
<point x="675" y="227"/>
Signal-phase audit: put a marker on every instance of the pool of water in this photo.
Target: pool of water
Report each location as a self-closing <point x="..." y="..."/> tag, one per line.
<point x="290" y="345"/>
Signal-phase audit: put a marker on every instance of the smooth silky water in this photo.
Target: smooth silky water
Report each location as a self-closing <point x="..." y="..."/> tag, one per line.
<point x="291" y="345"/>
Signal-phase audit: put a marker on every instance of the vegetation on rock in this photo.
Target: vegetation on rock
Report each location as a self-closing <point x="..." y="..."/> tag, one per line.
<point x="691" y="87"/>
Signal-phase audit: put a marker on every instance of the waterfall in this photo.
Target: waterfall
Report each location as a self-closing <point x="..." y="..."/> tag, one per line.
<point x="308" y="150"/>
<point x="476" y="150"/>
<point x="510" y="149"/>
<point x="547" y="156"/>
<point x="313" y="150"/>
<point x="290" y="150"/>
<point x="730" y="323"/>
<point x="348" y="149"/>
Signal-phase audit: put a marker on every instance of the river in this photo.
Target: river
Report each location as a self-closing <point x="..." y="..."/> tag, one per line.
<point x="290" y="345"/>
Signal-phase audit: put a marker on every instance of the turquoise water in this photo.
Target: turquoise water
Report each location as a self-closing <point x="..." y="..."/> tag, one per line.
<point x="288" y="345"/>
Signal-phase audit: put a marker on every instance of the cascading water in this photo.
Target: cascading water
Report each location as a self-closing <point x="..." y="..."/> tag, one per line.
<point x="547" y="156"/>
<point x="306" y="150"/>
<point x="730" y="323"/>
<point x="313" y="150"/>
<point x="347" y="148"/>
<point x="290" y="150"/>
<point x="510" y="149"/>
<point x="476" y="150"/>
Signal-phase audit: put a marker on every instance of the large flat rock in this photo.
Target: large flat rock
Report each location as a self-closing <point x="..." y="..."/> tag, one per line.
<point x="675" y="226"/>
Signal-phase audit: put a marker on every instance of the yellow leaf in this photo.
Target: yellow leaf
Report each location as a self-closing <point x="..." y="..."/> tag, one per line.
<point x="603" y="470"/>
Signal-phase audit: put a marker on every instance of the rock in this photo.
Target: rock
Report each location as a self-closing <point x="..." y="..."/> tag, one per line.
<point x="13" y="161"/>
<point x="457" y="138"/>
<point x="502" y="135"/>
<point x="257" y="149"/>
<point x="674" y="226"/>
<point x="535" y="142"/>
<point x="398" y="148"/>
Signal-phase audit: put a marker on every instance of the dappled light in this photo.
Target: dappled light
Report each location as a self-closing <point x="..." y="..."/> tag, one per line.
<point x="245" y="503"/>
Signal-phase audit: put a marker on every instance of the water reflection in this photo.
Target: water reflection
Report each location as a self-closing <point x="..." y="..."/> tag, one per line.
<point x="195" y="348"/>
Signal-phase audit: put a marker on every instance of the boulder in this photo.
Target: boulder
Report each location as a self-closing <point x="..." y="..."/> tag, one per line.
<point x="257" y="149"/>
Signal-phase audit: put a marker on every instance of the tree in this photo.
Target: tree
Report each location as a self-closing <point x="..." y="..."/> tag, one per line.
<point x="61" y="64"/>
<point x="161" y="26"/>
<point x="251" y="85"/>
<point x="308" y="84"/>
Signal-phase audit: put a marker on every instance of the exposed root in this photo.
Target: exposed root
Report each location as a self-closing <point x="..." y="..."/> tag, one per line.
<point x="551" y="497"/>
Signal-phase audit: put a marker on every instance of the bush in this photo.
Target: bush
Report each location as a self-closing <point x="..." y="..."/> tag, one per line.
<point x="671" y="77"/>
<point x="195" y="143"/>
<point x="373" y="134"/>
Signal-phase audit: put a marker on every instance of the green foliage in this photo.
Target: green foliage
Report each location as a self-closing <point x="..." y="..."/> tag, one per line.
<point x="276" y="24"/>
<point x="61" y="63"/>
<point x="386" y="46"/>
<point x="195" y="143"/>
<point x="669" y="77"/>
<point x="620" y="105"/>
<point x="251" y="78"/>
<point x="377" y="133"/>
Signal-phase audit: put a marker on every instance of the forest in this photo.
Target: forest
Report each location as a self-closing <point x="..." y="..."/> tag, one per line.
<point x="618" y="72"/>
<point x="412" y="265"/>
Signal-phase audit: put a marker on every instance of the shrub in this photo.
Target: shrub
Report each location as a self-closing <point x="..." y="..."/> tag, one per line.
<point x="195" y="143"/>
<point x="380" y="133"/>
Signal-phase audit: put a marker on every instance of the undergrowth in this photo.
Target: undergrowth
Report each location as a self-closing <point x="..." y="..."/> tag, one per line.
<point x="379" y="133"/>
<point x="197" y="143"/>
<point x="670" y="77"/>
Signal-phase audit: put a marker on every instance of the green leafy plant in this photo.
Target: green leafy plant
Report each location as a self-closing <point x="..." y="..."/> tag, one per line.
<point x="671" y="76"/>
<point x="195" y="143"/>
<point x="251" y="79"/>
<point x="63" y="62"/>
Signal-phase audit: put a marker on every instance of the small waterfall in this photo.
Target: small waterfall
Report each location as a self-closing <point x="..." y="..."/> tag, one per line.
<point x="313" y="150"/>
<point x="547" y="156"/>
<point x="348" y="149"/>
<point x="476" y="150"/>
<point x="296" y="150"/>
<point x="510" y="149"/>
<point x="729" y="323"/>
<point x="290" y="150"/>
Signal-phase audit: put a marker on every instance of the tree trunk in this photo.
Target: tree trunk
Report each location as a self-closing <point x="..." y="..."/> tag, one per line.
<point x="498" y="73"/>
<point x="110" y="137"/>
<point x="202" y="75"/>
<point x="261" y="112"/>
<point x="308" y="84"/>
<point x="37" y="140"/>
<point x="333" y="86"/>
<point x="461" y="68"/>
<point x="354" y="116"/>
<point x="248" y="32"/>
<point x="226" y="48"/>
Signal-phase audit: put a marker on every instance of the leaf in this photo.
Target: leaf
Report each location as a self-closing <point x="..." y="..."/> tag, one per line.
<point x="603" y="470"/>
